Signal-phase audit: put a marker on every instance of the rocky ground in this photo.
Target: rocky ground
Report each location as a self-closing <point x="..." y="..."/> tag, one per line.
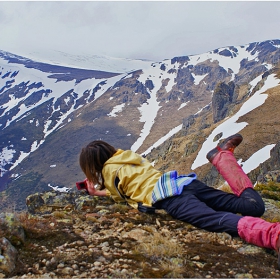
<point x="116" y="241"/>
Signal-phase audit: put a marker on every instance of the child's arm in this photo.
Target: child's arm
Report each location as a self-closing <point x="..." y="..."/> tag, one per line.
<point x="97" y="192"/>
<point x="93" y="191"/>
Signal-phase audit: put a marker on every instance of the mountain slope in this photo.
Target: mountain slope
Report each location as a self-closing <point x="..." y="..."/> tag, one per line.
<point x="48" y="112"/>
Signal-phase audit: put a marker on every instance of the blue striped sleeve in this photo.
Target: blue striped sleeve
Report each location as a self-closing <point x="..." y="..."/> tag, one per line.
<point x="170" y="184"/>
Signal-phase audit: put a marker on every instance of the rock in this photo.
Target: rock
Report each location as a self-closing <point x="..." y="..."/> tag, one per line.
<point x="11" y="229"/>
<point x="196" y="258"/>
<point x="8" y="256"/>
<point x="222" y="98"/>
<point x="188" y="122"/>
<point x="48" y="202"/>
<point x="67" y="271"/>
<point x="85" y="203"/>
<point x="269" y="170"/>
<point x="270" y="176"/>
<point x="244" y="276"/>
<point x="149" y="84"/>
<point x="250" y="249"/>
<point x="136" y="234"/>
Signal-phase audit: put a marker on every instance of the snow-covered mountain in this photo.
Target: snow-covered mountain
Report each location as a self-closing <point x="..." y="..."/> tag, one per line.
<point x="49" y="109"/>
<point x="86" y="61"/>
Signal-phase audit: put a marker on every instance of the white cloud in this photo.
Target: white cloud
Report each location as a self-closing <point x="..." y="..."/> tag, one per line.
<point x="135" y="29"/>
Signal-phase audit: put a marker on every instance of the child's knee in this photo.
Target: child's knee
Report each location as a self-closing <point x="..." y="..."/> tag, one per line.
<point x="254" y="203"/>
<point x="255" y="208"/>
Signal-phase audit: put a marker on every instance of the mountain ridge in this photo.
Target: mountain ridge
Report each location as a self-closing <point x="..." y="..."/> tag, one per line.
<point x="83" y="62"/>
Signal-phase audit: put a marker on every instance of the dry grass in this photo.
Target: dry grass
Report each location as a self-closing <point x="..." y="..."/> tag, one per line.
<point x="36" y="225"/>
<point x="91" y="218"/>
<point x="159" y="246"/>
<point x="60" y="215"/>
<point x="118" y="207"/>
<point x="174" y="268"/>
<point x="148" y="228"/>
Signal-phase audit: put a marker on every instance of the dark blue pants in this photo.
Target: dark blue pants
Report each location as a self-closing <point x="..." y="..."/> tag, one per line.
<point x="212" y="209"/>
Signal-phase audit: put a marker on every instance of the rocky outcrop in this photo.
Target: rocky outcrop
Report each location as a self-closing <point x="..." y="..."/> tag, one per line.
<point x="270" y="176"/>
<point x="273" y="163"/>
<point x="115" y="241"/>
<point x="188" y="122"/>
<point x="48" y="202"/>
<point x="221" y="100"/>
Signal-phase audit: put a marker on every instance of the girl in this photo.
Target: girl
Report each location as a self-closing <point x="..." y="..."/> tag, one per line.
<point x="126" y="176"/>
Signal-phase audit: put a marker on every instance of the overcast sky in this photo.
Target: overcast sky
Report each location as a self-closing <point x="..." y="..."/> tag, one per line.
<point x="152" y="30"/>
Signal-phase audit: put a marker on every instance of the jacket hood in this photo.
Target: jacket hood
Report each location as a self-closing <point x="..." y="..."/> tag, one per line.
<point x="125" y="157"/>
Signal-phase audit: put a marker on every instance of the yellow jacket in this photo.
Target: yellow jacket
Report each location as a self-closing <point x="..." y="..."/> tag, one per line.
<point x="136" y="174"/>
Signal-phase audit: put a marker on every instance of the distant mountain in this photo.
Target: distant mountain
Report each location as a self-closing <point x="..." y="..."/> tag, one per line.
<point x="86" y="61"/>
<point x="173" y="111"/>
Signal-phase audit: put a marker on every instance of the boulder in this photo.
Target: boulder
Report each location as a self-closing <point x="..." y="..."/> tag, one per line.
<point x="8" y="256"/>
<point x="11" y="229"/>
<point x="48" y="202"/>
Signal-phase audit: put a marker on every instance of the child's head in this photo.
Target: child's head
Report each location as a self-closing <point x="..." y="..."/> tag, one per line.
<point x="93" y="157"/>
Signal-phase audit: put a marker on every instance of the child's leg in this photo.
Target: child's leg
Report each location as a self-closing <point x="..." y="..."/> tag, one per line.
<point x="261" y="233"/>
<point x="223" y="159"/>
<point x="188" y="208"/>
<point x="249" y="203"/>
<point x="232" y="172"/>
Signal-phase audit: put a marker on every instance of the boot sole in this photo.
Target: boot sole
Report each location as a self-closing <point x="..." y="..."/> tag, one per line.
<point x="210" y="154"/>
<point x="231" y="137"/>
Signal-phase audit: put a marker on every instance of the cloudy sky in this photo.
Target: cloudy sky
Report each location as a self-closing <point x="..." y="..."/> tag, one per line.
<point x="152" y="30"/>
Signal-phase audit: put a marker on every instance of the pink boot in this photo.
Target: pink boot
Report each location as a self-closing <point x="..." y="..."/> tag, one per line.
<point x="260" y="232"/>
<point x="232" y="172"/>
<point x="223" y="159"/>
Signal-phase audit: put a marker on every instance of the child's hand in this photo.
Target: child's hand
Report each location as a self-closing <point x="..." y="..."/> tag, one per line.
<point x="90" y="187"/>
<point x="93" y="191"/>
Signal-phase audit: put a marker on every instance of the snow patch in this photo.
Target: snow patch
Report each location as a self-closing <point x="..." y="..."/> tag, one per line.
<point x="116" y="109"/>
<point x="257" y="158"/>
<point x="6" y="157"/>
<point x="198" y="78"/>
<point x="59" y="189"/>
<point x="183" y="105"/>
